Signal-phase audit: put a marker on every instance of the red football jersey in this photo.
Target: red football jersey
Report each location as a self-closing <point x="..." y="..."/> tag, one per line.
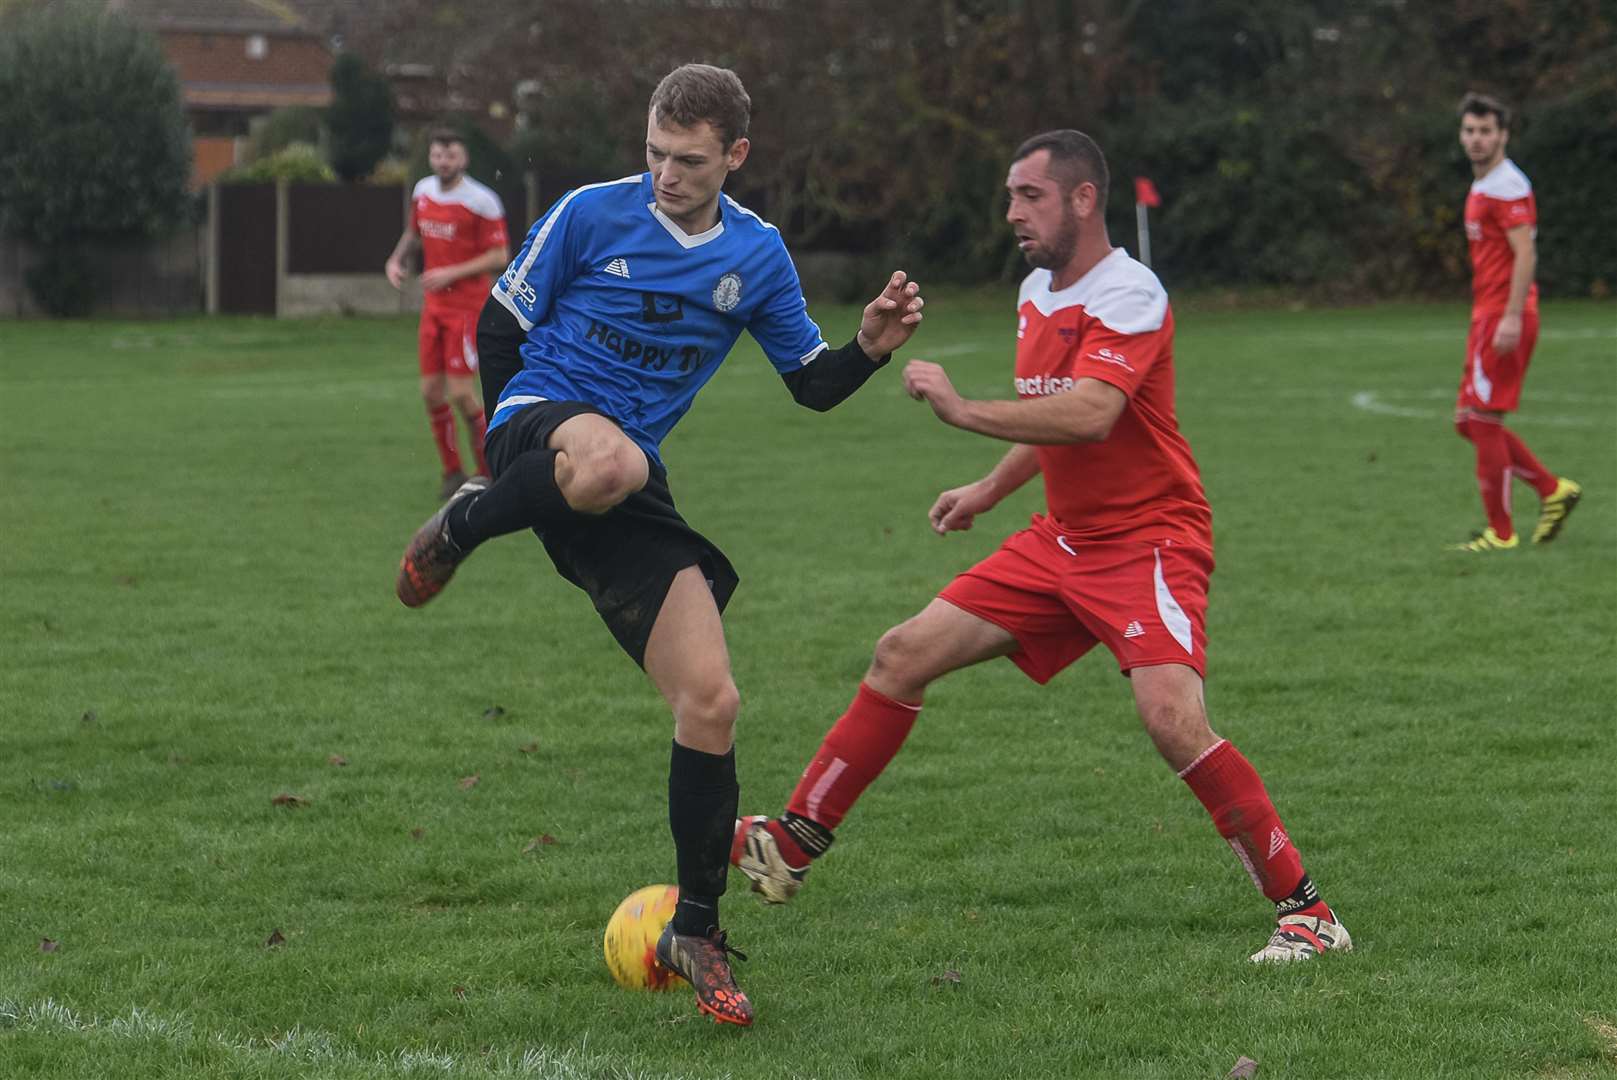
<point x="455" y="225"/>
<point x="1112" y="324"/>
<point x="1498" y="202"/>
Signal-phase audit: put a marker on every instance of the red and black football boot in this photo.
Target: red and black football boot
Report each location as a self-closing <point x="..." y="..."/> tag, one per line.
<point x="431" y="557"/>
<point x="703" y="961"/>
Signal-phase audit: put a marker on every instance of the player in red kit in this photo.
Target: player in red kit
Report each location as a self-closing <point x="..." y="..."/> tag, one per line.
<point x="1121" y="558"/>
<point x="1501" y="219"/>
<point x="459" y="225"/>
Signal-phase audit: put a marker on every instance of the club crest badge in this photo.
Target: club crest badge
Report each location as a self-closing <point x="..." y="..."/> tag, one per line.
<point x="727" y="293"/>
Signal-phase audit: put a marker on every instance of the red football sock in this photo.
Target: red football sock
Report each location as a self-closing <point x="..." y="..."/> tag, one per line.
<point x="479" y="428"/>
<point x="1528" y="467"/>
<point x="442" y="420"/>
<point x="855" y="751"/>
<point x="1230" y="788"/>
<point x="1493" y="473"/>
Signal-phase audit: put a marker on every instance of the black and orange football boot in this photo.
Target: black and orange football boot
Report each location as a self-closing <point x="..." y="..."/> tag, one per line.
<point x="431" y="557"/>
<point x="704" y="962"/>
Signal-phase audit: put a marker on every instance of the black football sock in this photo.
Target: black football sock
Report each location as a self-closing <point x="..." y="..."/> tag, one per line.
<point x="524" y="497"/>
<point x="812" y="837"/>
<point x="702" y="800"/>
<point x="1303" y="896"/>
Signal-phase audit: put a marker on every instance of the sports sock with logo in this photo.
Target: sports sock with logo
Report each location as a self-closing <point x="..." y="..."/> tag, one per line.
<point x="524" y="497"/>
<point x="1304" y="900"/>
<point x="1493" y="473"/>
<point x="1231" y="790"/>
<point x="1526" y="466"/>
<point x="441" y="418"/>
<point x="854" y="752"/>
<point x="702" y="799"/>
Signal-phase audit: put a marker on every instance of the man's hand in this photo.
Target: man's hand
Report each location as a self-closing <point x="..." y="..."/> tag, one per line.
<point x="439" y="278"/>
<point x="1509" y="334"/>
<point x="925" y="381"/>
<point x="396" y="272"/>
<point x="958" y="507"/>
<point x="891" y="318"/>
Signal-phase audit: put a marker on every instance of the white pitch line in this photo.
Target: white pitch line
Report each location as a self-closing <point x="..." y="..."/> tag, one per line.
<point x="315" y="1048"/>
<point x="1398" y="337"/>
<point x="1371" y="403"/>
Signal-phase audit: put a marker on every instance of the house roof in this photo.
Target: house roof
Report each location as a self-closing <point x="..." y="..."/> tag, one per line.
<point x="222" y="69"/>
<point x="215" y="16"/>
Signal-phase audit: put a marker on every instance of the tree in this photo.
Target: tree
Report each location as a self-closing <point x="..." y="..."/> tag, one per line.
<point x="360" y="117"/>
<point x="1305" y="145"/>
<point x="93" y="143"/>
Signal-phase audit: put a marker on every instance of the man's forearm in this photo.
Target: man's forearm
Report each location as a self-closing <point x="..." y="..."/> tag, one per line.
<point x="408" y="242"/>
<point x="491" y="261"/>
<point x="833" y="376"/>
<point x="1016" y="468"/>
<point x="1521" y="278"/>
<point x="487" y="263"/>
<point x="1050" y="421"/>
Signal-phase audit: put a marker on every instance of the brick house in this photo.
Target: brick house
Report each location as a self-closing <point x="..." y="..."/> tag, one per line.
<point x="237" y="61"/>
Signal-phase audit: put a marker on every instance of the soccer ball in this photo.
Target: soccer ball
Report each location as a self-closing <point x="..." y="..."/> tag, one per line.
<point x="631" y="939"/>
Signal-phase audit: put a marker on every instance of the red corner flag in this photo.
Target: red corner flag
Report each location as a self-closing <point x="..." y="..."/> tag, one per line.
<point x="1145" y="192"/>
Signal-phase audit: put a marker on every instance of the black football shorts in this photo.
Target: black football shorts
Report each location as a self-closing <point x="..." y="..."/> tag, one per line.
<point x="626" y="558"/>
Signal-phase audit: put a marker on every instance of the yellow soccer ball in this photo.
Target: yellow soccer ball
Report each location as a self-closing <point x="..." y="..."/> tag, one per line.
<point x="631" y="939"/>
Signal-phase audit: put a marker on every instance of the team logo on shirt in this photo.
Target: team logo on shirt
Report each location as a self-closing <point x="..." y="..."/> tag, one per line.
<point x="661" y="308"/>
<point x="727" y="293"/>
<point x="1107" y="356"/>
<point x="519" y="290"/>
<point x="1040" y="385"/>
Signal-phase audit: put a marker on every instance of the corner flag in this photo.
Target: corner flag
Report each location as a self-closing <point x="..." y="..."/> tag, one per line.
<point x="1145" y="195"/>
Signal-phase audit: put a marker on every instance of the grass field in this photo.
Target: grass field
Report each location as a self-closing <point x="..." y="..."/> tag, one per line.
<point x="200" y="528"/>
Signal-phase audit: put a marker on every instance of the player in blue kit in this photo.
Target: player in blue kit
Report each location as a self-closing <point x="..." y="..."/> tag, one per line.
<point x="621" y="304"/>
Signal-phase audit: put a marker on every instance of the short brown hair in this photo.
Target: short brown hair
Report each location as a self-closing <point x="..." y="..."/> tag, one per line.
<point x="695" y="93"/>
<point x="1475" y="104"/>
<point x="1074" y="158"/>
<point x="445" y="137"/>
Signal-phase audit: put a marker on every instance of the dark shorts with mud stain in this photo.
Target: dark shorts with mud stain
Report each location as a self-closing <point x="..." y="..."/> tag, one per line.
<point x="626" y="558"/>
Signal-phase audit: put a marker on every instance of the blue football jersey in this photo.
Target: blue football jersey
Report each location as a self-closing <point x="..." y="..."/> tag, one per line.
<point x="627" y="311"/>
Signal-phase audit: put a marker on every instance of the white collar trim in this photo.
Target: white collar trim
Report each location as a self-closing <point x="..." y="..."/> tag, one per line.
<point x="686" y="240"/>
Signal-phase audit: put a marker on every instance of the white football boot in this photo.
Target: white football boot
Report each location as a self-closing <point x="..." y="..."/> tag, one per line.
<point x="755" y="853"/>
<point x="1303" y="937"/>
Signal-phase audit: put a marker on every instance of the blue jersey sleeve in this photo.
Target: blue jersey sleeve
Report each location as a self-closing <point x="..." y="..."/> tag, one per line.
<point x="782" y="326"/>
<point x="549" y="259"/>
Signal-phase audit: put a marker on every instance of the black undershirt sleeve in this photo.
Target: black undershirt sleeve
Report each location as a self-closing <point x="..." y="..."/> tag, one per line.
<point x="499" y="355"/>
<point x="830" y="378"/>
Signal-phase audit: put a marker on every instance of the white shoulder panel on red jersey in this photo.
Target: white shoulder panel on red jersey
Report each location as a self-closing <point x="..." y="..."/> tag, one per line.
<point x="1118" y="291"/>
<point x="1505" y="182"/>
<point x="1036" y="282"/>
<point x="474" y="196"/>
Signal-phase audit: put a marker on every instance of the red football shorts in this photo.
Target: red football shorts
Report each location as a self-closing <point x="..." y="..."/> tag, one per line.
<point x="448" y="342"/>
<point x="1145" y="601"/>
<point x="1493" y="381"/>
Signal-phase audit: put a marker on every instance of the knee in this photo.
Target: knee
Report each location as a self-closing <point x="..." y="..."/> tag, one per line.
<point x="1462" y="427"/>
<point x="1166" y="716"/>
<point x="707" y="710"/>
<point x="898" y="657"/>
<point x="1178" y="729"/>
<point x="466" y="403"/>
<point x="594" y="483"/>
<point x="434" y="393"/>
